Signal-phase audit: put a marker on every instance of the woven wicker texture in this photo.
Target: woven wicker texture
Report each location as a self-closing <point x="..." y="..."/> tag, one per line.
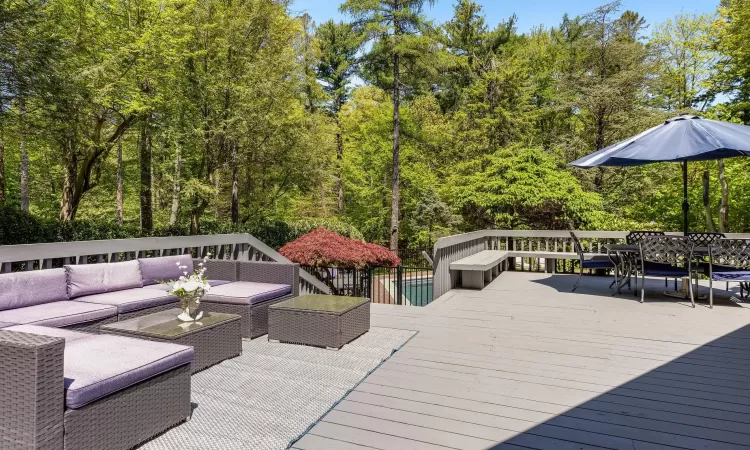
<point x="127" y="418"/>
<point x="31" y="367"/>
<point x="212" y="345"/>
<point x="319" y="328"/>
<point x="271" y="394"/>
<point x="91" y="327"/>
<point x="255" y="317"/>
<point x="217" y="269"/>
<point x="268" y="272"/>
<point x="147" y="311"/>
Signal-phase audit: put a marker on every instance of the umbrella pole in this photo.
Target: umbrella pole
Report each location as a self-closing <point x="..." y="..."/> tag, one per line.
<point x="685" y="204"/>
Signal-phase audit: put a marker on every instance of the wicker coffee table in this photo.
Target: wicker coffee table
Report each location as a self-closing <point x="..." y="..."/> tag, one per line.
<point x="215" y="337"/>
<point x="327" y="321"/>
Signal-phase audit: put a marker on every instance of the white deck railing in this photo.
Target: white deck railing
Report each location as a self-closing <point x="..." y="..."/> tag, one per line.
<point x="241" y="246"/>
<point x="452" y="248"/>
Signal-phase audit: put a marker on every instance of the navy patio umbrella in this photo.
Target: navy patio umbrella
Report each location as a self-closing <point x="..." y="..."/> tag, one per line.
<point x="680" y="139"/>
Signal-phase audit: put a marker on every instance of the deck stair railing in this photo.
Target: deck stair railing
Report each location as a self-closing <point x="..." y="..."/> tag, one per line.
<point x="240" y="246"/>
<point x="452" y="248"/>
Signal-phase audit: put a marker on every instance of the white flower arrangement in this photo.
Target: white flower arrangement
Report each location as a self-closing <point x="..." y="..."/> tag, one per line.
<point x="189" y="288"/>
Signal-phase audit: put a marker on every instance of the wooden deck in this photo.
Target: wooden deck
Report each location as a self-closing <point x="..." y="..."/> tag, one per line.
<point x="526" y="364"/>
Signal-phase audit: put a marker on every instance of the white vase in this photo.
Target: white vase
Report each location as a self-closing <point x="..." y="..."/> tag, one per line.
<point x="190" y="309"/>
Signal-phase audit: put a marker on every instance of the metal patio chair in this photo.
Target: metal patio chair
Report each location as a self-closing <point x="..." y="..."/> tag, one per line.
<point x="634" y="238"/>
<point x="668" y="257"/>
<point x="729" y="260"/>
<point x="595" y="262"/>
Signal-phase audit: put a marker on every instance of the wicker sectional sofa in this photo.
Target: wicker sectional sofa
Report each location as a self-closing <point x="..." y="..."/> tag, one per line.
<point x="253" y="287"/>
<point x="116" y="391"/>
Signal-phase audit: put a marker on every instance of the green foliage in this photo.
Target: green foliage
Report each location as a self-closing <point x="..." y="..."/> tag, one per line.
<point x="17" y="227"/>
<point x="239" y="116"/>
<point x="523" y="188"/>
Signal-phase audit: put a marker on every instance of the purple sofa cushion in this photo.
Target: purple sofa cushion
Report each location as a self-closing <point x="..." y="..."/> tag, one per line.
<point x="87" y="279"/>
<point x="68" y="335"/>
<point x="164" y="268"/>
<point x="19" y="289"/>
<point x="165" y="288"/>
<point x="246" y="292"/>
<point x="58" y="314"/>
<point x="102" y="365"/>
<point x="6" y="324"/>
<point x="131" y="299"/>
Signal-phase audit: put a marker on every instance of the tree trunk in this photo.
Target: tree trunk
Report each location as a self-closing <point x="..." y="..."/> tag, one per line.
<point x="176" y="188"/>
<point x="724" y="205"/>
<point x="235" y="183"/>
<point x="2" y="170"/>
<point x="144" y="147"/>
<point x="24" y="157"/>
<point x="195" y="216"/>
<point x="340" y="168"/>
<point x="67" y="204"/>
<point x="396" y="142"/>
<point x="707" y="204"/>
<point x="119" y="183"/>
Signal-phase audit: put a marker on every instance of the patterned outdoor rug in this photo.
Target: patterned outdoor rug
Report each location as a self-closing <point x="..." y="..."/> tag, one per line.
<point x="273" y="393"/>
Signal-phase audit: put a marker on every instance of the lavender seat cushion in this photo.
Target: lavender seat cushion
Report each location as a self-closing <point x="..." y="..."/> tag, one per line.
<point x="89" y="279"/>
<point x="101" y="365"/>
<point x="165" y="288"/>
<point x="58" y="314"/>
<point x="131" y="299"/>
<point x="164" y="268"/>
<point x="246" y="292"/>
<point x="68" y="335"/>
<point x="6" y="324"/>
<point x="20" y="289"/>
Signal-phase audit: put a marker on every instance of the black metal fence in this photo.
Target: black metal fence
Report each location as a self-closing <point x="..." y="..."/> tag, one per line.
<point x="409" y="284"/>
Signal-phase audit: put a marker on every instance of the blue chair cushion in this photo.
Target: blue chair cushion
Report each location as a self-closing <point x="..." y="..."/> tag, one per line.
<point x="664" y="270"/>
<point x="721" y="273"/>
<point x="597" y="264"/>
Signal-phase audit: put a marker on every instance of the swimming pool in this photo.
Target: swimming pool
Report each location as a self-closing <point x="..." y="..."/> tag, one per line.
<point x="418" y="292"/>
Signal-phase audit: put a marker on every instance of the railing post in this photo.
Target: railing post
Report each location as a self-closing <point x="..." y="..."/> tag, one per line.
<point x="399" y="284"/>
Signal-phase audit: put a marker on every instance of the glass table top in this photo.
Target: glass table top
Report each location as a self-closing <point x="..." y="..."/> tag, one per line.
<point x="164" y="324"/>
<point x="327" y="303"/>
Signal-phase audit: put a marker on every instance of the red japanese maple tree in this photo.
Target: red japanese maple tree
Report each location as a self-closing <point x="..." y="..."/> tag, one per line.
<point x="324" y="248"/>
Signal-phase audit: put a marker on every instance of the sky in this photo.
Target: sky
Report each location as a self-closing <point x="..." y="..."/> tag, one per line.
<point x="530" y="13"/>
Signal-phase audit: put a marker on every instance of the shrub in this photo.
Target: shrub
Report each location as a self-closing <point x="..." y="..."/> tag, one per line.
<point x="18" y="227"/>
<point x="325" y="248"/>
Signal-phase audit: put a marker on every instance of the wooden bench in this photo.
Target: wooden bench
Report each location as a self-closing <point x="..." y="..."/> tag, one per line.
<point x="481" y="268"/>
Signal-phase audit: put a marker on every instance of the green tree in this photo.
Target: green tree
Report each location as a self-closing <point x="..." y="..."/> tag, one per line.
<point x="393" y="25"/>
<point x="522" y="188"/>
<point x="731" y="33"/>
<point x="339" y="43"/>
<point x="685" y="62"/>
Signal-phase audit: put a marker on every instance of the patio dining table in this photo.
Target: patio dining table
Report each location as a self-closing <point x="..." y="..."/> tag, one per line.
<point x="625" y="258"/>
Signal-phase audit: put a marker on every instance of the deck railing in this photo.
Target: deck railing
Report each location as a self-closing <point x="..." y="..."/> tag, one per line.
<point x="240" y="246"/>
<point x="452" y="248"/>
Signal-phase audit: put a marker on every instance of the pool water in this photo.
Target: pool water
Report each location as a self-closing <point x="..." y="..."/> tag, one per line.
<point x="418" y="292"/>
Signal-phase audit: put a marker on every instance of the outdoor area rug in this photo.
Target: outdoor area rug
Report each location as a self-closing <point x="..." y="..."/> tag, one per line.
<point x="273" y="393"/>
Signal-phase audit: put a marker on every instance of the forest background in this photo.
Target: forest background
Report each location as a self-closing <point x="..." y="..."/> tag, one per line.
<point x="127" y="118"/>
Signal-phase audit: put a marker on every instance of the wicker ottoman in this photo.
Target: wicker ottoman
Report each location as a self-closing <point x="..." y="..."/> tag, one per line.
<point x="215" y="337"/>
<point x="320" y="320"/>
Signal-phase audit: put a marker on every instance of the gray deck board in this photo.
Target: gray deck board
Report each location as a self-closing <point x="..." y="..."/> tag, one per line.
<point x="525" y="364"/>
